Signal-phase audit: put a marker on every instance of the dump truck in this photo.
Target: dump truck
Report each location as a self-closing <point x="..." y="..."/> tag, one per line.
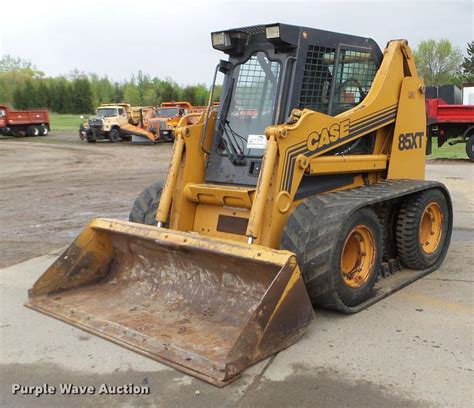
<point x="166" y="117"/>
<point x="451" y="123"/>
<point x="450" y="120"/>
<point x="306" y="188"/>
<point x="32" y="122"/>
<point x="161" y="120"/>
<point x="115" y="122"/>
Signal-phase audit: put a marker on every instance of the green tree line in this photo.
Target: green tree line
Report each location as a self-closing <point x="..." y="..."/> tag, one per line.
<point x="441" y="63"/>
<point x="23" y="86"/>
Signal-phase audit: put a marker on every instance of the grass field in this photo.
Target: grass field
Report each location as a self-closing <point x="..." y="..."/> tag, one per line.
<point x="64" y="122"/>
<point x="72" y="122"/>
<point x="457" y="151"/>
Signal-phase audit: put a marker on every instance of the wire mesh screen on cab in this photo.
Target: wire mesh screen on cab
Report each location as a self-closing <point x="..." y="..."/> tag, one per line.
<point x="354" y="73"/>
<point x="254" y="98"/>
<point x="256" y="87"/>
<point x="317" y="77"/>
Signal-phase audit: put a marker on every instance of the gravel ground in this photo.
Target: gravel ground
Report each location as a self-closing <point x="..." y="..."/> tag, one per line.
<point x="52" y="186"/>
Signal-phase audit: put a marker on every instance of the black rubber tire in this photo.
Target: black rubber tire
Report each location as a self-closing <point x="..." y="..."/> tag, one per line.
<point x="43" y="130"/>
<point x="327" y="287"/>
<point x="146" y="205"/>
<point x="32" y="131"/>
<point x="387" y="213"/>
<point x="114" y="135"/>
<point x="5" y="132"/>
<point x="90" y="137"/>
<point x="407" y="232"/>
<point x="470" y="147"/>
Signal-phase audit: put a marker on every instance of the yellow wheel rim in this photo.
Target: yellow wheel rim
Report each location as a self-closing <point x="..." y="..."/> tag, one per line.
<point x="431" y="226"/>
<point x="358" y="255"/>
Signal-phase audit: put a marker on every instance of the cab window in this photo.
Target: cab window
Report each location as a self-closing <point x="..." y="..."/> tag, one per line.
<point x="354" y="75"/>
<point x="336" y="80"/>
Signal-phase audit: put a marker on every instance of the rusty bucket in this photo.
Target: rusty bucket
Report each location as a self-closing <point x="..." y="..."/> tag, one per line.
<point x="205" y="306"/>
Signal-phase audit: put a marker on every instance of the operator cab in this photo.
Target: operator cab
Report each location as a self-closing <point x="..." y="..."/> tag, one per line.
<point x="271" y="70"/>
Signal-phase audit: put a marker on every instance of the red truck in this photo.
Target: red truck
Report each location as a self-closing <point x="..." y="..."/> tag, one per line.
<point x="451" y="122"/>
<point x="33" y="122"/>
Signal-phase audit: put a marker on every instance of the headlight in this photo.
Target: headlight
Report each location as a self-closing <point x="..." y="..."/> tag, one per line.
<point x="272" y="32"/>
<point x="221" y="41"/>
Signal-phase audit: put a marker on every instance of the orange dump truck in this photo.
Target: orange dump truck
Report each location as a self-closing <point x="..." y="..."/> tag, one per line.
<point x="161" y="120"/>
<point x="32" y="122"/>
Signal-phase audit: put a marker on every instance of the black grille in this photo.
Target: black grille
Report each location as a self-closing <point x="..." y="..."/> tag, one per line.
<point x="316" y="86"/>
<point x="95" y="122"/>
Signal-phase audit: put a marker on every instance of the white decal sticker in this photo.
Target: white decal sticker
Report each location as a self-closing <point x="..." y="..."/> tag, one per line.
<point x="256" y="142"/>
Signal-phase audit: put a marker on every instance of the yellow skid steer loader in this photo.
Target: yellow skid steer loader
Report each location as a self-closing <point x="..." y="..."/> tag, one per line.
<point x="306" y="187"/>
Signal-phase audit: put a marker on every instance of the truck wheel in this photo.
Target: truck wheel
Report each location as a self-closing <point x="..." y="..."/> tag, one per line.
<point x="470" y="147"/>
<point x="90" y="137"/>
<point x="146" y="205"/>
<point x="32" y="131"/>
<point x="423" y="229"/>
<point x="354" y="257"/>
<point x="43" y="130"/>
<point x="114" y="136"/>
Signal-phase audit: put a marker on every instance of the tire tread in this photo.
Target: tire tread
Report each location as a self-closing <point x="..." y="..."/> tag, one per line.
<point x="146" y="204"/>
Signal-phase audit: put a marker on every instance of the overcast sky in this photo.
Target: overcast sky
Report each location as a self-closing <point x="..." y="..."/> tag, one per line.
<point x="172" y="38"/>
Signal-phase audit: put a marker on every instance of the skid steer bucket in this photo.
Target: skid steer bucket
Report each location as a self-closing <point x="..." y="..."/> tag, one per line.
<point x="205" y="306"/>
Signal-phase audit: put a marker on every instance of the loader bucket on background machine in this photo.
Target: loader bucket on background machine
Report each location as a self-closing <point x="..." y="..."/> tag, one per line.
<point x="208" y="307"/>
<point x="139" y="135"/>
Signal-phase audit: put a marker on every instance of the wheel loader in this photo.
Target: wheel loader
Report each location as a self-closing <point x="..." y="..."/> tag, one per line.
<point x="115" y="122"/>
<point x="161" y="120"/>
<point x="305" y="188"/>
